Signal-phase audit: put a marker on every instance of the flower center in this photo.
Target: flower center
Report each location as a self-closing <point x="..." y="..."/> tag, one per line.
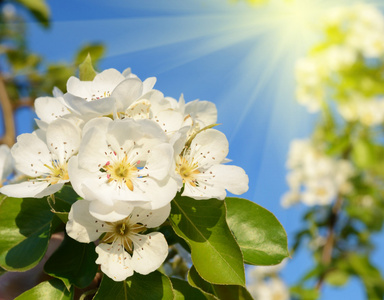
<point x="187" y="170"/>
<point x="58" y="172"/>
<point x="121" y="231"/>
<point x="121" y="172"/>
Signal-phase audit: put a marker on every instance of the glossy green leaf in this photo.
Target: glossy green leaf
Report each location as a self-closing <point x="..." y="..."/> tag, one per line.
<point x="73" y="263"/>
<point x="222" y="292"/>
<point x="25" y="226"/>
<point x="39" y="9"/>
<point x="183" y="291"/>
<point x="86" y="70"/>
<point x="154" y="286"/>
<point x="260" y="235"/>
<point x="214" y="250"/>
<point x="48" y="290"/>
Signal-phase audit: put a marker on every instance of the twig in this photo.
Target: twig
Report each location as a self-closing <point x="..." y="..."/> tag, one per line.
<point x="9" y="123"/>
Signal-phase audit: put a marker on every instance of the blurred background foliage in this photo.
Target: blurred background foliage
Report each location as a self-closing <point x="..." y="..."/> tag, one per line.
<point x="25" y="75"/>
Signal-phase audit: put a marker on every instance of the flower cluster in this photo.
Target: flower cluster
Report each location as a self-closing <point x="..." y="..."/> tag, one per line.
<point x="126" y="149"/>
<point x="346" y="65"/>
<point x="315" y="178"/>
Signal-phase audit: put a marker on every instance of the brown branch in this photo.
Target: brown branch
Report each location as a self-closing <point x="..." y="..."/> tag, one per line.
<point x="9" y="123"/>
<point x="326" y="257"/>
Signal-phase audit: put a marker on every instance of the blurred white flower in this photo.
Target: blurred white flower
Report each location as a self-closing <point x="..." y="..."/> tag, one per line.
<point x="315" y="178"/>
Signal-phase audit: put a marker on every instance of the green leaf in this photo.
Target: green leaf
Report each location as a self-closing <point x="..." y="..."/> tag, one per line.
<point x="222" y="292"/>
<point x="154" y="286"/>
<point x="214" y="251"/>
<point x="307" y="294"/>
<point x="261" y="237"/>
<point x="86" y="70"/>
<point x="52" y="289"/>
<point x="363" y="154"/>
<point x="337" y="278"/>
<point x="183" y="291"/>
<point x="25" y="226"/>
<point x="39" y="10"/>
<point x="73" y="263"/>
<point x="96" y="51"/>
<point x="62" y="201"/>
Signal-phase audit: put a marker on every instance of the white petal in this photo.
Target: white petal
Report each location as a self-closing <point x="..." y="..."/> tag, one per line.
<point x="115" y="261"/>
<point x="203" y="111"/>
<point x="30" y="154"/>
<point x="149" y="252"/>
<point x="232" y="178"/>
<point x="158" y="193"/>
<point x="26" y="189"/>
<point x="6" y="162"/>
<point x="150" y="218"/>
<point x="159" y="162"/>
<point x="169" y="120"/>
<point x="81" y="225"/>
<point x="213" y="182"/>
<point x="99" y="107"/>
<point x="100" y="123"/>
<point x="209" y="147"/>
<point x="148" y="84"/>
<point x="127" y="92"/>
<point x="139" y="110"/>
<point x="63" y="139"/>
<point x="49" y="109"/>
<point x="118" y="211"/>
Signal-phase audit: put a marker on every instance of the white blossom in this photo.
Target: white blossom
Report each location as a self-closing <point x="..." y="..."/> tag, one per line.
<point x="109" y="92"/>
<point x="201" y="169"/>
<point x="124" y="247"/>
<point x="123" y="161"/>
<point x="43" y="157"/>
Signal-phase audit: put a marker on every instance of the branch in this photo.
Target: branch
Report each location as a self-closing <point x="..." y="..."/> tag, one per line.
<point x="9" y="123"/>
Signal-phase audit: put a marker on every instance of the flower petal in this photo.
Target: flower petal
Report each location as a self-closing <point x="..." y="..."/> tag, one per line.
<point x="49" y="109"/>
<point x="114" y="261"/>
<point x="116" y="212"/>
<point x="149" y="252"/>
<point x="63" y="139"/>
<point x="36" y="189"/>
<point x="203" y="111"/>
<point x="209" y="147"/>
<point x="150" y="218"/>
<point x="127" y="92"/>
<point x="31" y="154"/>
<point x="158" y="162"/>
<point x="81" y="225"/>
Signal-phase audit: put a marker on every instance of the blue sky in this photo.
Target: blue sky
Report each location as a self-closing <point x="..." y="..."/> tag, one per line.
<point x="238" y="57"/>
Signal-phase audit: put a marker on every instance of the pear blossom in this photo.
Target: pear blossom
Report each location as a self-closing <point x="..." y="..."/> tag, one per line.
<point x="200" y="168"/>
<point x="123" y="161"/>
<point x="6" y="163"/>
<point x="124" y="248"/>
<point x="43" y="157"/>
<point x="109" y="92"/>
